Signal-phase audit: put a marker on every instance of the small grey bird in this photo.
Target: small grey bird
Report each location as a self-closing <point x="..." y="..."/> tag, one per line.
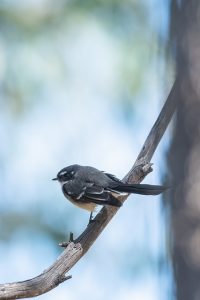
<point x="88" y="187"/>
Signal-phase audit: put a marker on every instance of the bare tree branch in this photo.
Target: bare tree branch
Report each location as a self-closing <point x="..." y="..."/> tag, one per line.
<point x="55" y="274"/>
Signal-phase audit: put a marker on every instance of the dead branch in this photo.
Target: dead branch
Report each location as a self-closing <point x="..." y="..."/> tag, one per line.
<point x="55" y="274"/>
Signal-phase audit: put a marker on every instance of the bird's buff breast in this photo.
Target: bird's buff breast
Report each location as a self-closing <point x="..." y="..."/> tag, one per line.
<point x="87" y="206"/>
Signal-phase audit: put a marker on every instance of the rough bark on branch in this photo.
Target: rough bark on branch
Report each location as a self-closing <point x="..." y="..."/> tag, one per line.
<point x="55" y="274"/>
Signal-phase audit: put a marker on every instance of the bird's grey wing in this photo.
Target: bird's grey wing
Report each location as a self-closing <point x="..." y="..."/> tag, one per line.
<point x="99" y="195"/>
<point x="94" y="193"/>
<point x="73" y="189"/>
<point x="88" y="191"/>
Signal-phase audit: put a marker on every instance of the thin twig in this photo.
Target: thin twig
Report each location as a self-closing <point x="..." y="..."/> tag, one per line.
<point x="55" y="274"/>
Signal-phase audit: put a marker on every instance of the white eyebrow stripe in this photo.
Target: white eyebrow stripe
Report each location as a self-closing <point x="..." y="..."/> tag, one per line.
<point x="63" y="173"/>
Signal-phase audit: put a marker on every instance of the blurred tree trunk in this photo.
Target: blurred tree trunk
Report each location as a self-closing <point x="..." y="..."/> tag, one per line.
<point x="184" y="153"/>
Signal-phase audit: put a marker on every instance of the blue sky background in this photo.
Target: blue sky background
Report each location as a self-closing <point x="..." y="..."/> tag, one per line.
<point x="82" y="84"/>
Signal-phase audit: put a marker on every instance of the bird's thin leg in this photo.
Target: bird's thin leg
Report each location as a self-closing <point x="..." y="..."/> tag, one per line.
<point x="90" y="219"/>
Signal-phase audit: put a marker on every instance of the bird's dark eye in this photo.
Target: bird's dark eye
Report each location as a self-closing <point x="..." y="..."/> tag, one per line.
<point x="64" y="175"/>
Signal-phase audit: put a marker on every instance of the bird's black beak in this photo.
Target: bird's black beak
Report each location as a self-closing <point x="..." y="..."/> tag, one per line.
<point x="55" y="178"/>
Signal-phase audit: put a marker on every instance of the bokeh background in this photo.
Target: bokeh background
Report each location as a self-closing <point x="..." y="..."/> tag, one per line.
<point x="82" y="82"/>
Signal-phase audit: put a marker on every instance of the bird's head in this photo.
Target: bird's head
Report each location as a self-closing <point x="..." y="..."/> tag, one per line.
<point x="66" y="174"/>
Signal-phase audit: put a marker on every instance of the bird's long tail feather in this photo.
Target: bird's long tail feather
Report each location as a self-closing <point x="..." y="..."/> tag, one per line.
<point x="142" y="189"/>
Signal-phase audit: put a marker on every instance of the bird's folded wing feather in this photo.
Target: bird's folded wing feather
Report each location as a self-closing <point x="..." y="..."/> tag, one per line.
<point x="98" y="195"/>
<point x="94" y="193"/>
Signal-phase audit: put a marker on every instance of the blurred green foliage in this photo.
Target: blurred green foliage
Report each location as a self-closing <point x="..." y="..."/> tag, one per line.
<point x="33" y="32"/>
